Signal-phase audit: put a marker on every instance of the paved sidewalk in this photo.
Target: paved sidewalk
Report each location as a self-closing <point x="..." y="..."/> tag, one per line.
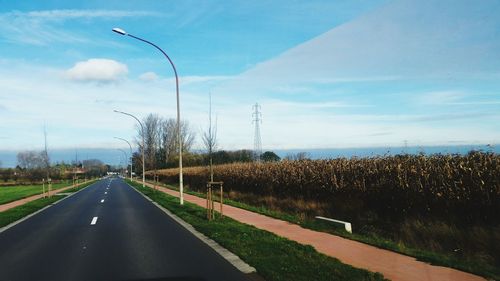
<point x="20" y="202"/>
<point x="392" y="265"/>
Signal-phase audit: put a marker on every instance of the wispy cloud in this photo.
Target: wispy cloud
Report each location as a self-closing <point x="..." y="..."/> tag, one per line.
<point x="149" y="76"/>
<point x="441" y="97"/>
<point x="452" y="116"/>
<point x="417" y="118"/>
<point x="199" y="79"/>
<point x="50" y="15"/>
<point x="492" y="102"/>
<point x="289" y="105"/>
<point x="43" y="27"/>
<point x="455" y="98"/>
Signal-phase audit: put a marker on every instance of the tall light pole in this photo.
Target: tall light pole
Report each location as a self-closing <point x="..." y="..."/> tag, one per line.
<point x="143" y="148"/>
<point x="181" y="186"/>
<point x="130" y="154"/>
<point x="125" y="153"/>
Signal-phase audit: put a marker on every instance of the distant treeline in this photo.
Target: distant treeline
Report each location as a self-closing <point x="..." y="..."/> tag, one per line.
<point x="35" y="166"/>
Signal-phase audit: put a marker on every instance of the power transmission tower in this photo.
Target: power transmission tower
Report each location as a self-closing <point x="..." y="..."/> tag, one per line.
<point x="257" y="142"/>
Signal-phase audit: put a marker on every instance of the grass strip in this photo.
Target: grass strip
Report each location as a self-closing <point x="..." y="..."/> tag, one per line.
<point x="12" y="193"/>
<point x="274" y="257"/>
<point x="464" y="264"/>
<point x="11" y="215"/>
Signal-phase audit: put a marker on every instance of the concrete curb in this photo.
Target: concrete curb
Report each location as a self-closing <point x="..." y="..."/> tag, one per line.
<point x="41" y="210"/>
<point x="226" y="254"/>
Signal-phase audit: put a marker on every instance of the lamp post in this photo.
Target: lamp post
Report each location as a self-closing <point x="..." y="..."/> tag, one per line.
<point x="130" y="154"/>
<point x="181" y="187"/>
<point x="125" y="153"/>
<point x="143" y="148"/>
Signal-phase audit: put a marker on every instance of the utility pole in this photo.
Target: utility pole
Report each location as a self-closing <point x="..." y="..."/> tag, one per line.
<point x="257" y="142"/>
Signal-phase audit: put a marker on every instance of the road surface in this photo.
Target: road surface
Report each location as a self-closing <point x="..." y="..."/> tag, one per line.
<point x="107" y="232"/>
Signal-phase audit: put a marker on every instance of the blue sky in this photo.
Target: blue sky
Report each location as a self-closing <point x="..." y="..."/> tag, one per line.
<point x="327" y="73"/>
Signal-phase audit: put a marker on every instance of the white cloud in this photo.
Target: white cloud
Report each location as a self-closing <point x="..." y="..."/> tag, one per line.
<point x="97" y="70"/>
<point x="148" y="76"/>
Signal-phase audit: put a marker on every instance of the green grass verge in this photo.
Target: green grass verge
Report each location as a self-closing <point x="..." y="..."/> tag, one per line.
<point x="13" y="193"/>
<point x="19" y="212"/>
<point x="468" y="265"/>
<point x="274" y="257"/>
<point x="11" y="215"/>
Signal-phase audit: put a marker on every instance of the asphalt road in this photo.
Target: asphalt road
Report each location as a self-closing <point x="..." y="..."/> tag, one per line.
<point x="131" y="240"/>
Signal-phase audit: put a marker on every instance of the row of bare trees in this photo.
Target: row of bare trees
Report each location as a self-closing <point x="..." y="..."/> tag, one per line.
<point x="160" y="141"/>
<point x="33" y="166"/>
<point x="161" y="144"/>
<point x="33" y="160"/>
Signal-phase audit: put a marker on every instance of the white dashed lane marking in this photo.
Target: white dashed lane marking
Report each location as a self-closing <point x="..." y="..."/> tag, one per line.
<point x="94" y="221"/>
<point x="102" y="201"/>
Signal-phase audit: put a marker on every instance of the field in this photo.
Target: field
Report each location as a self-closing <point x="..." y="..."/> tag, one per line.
<point x="446" y="204"/>
<point x="16" y="192"/>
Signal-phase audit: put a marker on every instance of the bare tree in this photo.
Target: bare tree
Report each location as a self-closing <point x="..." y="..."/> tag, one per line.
<point x="210" y="136"/>
<point x="169" y="138"/>
<point x="187" y="136"/>
<point x="151" y="134"/>
<point x="160" y="140"/>
<point x="297" y="156"/>
<point x="30" y="160"/>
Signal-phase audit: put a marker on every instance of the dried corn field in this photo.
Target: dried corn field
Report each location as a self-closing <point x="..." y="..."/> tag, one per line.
<point x="464" y="188"/>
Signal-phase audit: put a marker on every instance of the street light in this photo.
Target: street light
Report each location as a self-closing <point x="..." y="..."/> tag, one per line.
<point x="181" y="186"/>
<point x="142" y="130"/>
<point x="125" y="153"/>
<point x="130" y="154"/>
